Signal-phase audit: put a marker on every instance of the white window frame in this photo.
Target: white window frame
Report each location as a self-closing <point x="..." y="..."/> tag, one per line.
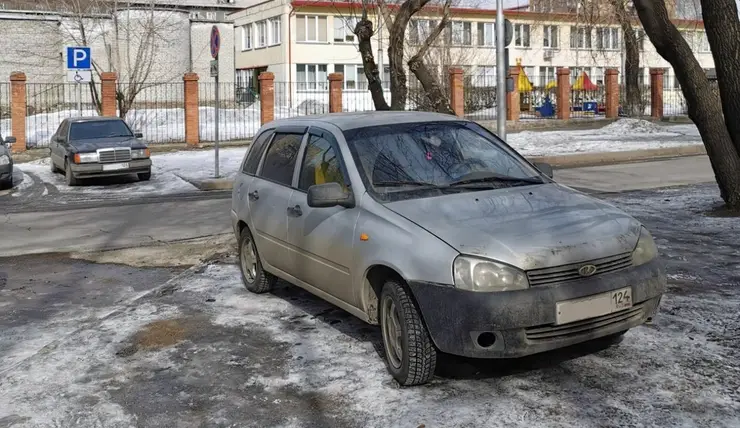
<point x="345" y="27"/>
<point x="582" y="36"/>
<point x="548" y="74"/>
<point x="489" y="34"/>
<point x="608" y="38"/>
<point x="485" y="75"/>
<point x="247" y="37"/>
<point x="307" y="20"/>
<point x="422" y="27"/>
<point x="521" y="41"/>
<point x="274" y="33"/>
<point x="261" y="36"/>
<point x="318" y="84"/>
<point x="550" y="37"/>
<point x="458" y="33"/>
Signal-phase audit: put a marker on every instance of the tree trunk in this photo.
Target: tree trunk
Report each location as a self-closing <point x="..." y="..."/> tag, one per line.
<point x="723" y="31"/>
<point x="633" y="105"/>
<point x="703" y="104"/>
<point x="396" y="39"/>
<point x="364" y="31"/>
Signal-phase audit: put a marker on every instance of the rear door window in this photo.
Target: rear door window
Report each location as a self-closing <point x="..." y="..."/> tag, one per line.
<point x="281" y="157"/>
<point x="255" y="152"/>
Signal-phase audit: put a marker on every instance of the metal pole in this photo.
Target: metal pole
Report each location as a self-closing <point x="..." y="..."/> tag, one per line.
<point x="218" y="104"/>
<point x="79" y="98"/>
<point x="500" y="71"/>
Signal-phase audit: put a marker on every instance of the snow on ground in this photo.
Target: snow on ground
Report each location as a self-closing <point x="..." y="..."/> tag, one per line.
<point x="622" y="135"/>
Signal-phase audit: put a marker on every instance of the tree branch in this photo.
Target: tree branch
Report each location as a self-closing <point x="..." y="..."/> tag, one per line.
<point x="364" y="32"/>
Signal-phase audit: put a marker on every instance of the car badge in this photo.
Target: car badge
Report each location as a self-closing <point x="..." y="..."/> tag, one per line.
<point x="587" y="270"/>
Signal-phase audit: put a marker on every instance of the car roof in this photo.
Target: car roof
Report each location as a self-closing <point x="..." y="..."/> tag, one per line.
<point x="347" y="121"/>
<point x="91" y="119"/>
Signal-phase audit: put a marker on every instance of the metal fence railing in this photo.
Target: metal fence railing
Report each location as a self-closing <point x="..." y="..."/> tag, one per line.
<point x="674" y="103"/>
<point x="239" y="112"/>
<point x="5" y="124"/>
<point x="47" y="105"/>
<point x="157" y="110"/>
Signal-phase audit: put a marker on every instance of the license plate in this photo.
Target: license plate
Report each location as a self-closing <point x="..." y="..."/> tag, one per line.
<point x="115" y="166"/>
<point x="593" y="306"/>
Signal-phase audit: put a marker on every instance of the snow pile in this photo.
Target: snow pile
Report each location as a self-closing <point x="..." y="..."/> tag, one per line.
<point x="633" y="126"/>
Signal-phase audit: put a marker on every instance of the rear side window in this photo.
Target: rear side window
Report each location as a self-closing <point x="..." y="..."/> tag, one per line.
<point x="281" y="158"/>
<point x="255" y="153"/>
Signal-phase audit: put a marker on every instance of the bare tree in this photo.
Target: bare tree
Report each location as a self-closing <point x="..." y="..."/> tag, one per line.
<point x="715" y="113"/>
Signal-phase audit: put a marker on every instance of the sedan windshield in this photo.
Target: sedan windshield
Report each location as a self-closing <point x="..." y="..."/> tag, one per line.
<point x="99" y="129"/>
<point x="437" y="156"/>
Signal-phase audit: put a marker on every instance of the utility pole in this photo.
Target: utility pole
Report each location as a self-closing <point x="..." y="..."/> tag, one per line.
<point x="500" y="71"/>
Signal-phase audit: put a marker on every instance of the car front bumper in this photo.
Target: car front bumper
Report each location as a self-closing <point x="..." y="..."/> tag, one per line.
<point x="523" y="322"/>
<point x="90" y="170"/>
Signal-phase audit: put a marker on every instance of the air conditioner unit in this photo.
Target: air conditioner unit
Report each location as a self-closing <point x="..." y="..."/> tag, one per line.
<point x="547" y="55"/>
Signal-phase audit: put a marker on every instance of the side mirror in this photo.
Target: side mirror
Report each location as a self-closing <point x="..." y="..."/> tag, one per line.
<point x="9" y="141"/>
<point x="544" y="168"/>
<point x="139" y="134"/>
<point x="329" y="195"/>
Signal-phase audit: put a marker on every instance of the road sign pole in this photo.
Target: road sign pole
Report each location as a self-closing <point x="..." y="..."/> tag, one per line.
<point x="79" y="98"/>
<point x="215" y="47"/>
<point x="218" y="112"/>
<point x="500" y="71"/>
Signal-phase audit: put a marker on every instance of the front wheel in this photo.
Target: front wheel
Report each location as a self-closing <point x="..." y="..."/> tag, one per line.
<point x="145" y="176"/>
<point x="69" y="175"/>
<point x="410" y="354"/>
<point x="253" y="276"/>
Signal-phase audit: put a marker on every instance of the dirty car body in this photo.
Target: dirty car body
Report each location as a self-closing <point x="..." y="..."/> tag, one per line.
<point x="89" y="147"/>
<point x="498" y="259"/>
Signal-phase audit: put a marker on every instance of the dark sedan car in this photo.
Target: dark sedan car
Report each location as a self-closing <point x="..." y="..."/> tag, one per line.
<point x="6" y="163"/>
<point x="89" y="147"/>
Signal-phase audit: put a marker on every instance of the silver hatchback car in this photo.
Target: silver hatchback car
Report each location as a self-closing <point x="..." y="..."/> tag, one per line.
<point x="437" y="230"/>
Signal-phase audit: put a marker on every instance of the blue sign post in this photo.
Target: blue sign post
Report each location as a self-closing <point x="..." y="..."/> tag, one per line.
<point x="215" y="48"/>
<point x="79" y="58"/>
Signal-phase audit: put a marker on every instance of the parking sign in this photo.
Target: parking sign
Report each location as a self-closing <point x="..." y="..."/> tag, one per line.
<point x="79" y="58"/>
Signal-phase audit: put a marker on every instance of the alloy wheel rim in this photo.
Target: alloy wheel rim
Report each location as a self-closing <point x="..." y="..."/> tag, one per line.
<point x="392" y="333"/>
<point x="249" y="260"/>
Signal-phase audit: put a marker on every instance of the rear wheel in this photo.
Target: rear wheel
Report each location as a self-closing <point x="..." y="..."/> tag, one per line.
<point x="410" y="354"/>
<point x="69" y="175"/>
<point x="253" y="276"/>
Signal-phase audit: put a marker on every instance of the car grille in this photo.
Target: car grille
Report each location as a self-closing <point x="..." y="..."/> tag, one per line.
<point x="570" y="272"/>
<point x="114" y="155"/>
<point x="584" y="327"/>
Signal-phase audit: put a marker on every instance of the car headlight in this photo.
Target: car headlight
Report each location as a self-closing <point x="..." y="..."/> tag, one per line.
<point x="140" y="154"/>
<point x="645" y="250"/>
<point x="86" y="157"/>
<point x="4" y="160"/>
<point x="483" y="275"/>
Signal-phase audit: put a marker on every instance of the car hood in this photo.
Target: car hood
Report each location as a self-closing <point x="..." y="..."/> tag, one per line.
<point x="529" y="227"/>
<point x="106" y="143"/>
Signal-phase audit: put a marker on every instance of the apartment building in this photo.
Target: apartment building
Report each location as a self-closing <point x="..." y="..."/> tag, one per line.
<point x="302" y="41"/>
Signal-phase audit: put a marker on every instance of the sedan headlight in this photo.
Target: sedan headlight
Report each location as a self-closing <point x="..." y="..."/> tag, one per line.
<point x="645" y="250"/>
<point x="483" y="275"/>
<point x="4" y="160"/>
<point x="86" y="157"/>
<point x="140" y="154"/>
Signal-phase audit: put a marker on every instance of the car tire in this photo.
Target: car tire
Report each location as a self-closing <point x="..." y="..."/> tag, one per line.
<point x="69" y="175"/>
<point x="418" y="359"/>
<point x="6" y="184"/>
<point x="255" y="278"/>
<point x="145" y="176"/>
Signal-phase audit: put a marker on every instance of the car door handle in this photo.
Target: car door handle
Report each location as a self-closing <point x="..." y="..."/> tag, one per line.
<point x="254" y="195"/>
<point x="295" y="211"/>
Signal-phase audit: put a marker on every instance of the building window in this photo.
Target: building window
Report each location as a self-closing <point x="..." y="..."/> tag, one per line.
<point x="247" y="37"/>
<point x="640" y="36"/>
<point x="310" y="28"/>
<point x="344" y="29"/>
<point x="275" y="30"/>
<point x="486" y="34"/>
<point x="419" y="30"/>
<point x="550" y="37"/>
<point x="704" y="43"/>
<point x="521" y="35"/>
<point x="354" y="76"/>
<point x="580" y="37"/>
<point x="485" y="76"/>
<point x="547" y="75"/>
<point x="261" y="41"/>
<point x="462" y="33"/>
<point x="607" y="39"/>
<point x="311" y="77"/>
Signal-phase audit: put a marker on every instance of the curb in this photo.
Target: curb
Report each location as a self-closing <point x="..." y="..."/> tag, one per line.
<point x="558" y="161"/>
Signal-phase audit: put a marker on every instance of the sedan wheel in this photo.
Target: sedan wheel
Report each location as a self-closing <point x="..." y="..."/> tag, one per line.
<point x="69" y="175"/>
<point x="409" y="351"/>
<point x="253" y="276"/>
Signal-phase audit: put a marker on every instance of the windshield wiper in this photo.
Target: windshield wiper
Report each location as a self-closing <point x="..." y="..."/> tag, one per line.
<point x="404" y="183"/>
<point x="493" y="178"/>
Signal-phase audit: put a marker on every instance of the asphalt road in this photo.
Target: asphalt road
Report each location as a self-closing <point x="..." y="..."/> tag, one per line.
<point x="42" y="225"/>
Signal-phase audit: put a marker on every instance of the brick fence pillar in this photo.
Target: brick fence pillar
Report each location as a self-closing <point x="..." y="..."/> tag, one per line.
<point x="18" y="110"/>
<point x="335" y="92"/>
<point x="656" y="93"/>
<point x="612" y="93"/>
<point x="457" y="95"/>
<point x="108" y="94"/>
<point x="192" y="113"/>
<point x="563" y="94"/>
<point x="267" y="97"/>
<point x="512" y="98"/>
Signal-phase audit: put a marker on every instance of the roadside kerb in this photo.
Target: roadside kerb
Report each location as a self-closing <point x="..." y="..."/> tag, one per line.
<point x="557" y="161"/>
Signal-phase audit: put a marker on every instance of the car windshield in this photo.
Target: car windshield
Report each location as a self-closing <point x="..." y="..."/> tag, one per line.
<point x="408" y="160"/>
<point x="99" y="129"/>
